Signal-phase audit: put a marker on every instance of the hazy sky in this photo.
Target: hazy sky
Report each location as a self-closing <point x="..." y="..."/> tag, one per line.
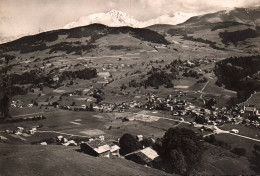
<point x="27" y="16"/>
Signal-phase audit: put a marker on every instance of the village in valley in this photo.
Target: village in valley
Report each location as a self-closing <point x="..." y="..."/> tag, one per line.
<point x="158" y="100"/>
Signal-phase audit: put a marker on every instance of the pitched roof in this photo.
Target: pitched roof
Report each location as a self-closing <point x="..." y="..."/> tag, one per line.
<point x="150" y="153"/>
<point x="102" y="149"/>
<point x="147" y="154"/>
<point x="114" y="147"/>
<point x="98" y="146"/>
<point x="251" y="109"/>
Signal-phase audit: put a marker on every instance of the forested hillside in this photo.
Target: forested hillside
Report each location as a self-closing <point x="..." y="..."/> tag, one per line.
<point x="235" y="73"/>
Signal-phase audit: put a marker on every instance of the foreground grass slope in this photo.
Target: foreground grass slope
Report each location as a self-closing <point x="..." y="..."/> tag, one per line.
<point x="58" y="160"/>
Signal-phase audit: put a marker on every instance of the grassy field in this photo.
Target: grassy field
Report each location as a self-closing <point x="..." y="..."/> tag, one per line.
<point x="110" y="124"/>
<point x="219" y="161"/>
<point x="235" y="141"/>
<point x="58" y="160"/>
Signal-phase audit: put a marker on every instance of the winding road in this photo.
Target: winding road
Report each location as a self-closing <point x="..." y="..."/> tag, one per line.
<point x="201" y="91"/>
<point x="219" y="131"/>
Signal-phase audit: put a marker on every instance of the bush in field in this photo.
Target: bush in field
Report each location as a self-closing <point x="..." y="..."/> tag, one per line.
<point x="210" y="139"/>
<point x="123" y="87"/>
<point x="55" y="104"/>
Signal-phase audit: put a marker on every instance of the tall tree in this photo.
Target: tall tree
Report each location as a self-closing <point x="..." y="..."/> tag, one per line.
<point x="128" y="143"/>
<point x="4" y="106"/>
<point x="180" y="141"/>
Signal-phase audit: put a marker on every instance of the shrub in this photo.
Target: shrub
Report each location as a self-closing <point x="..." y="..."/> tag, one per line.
<point x="239" y="151"/>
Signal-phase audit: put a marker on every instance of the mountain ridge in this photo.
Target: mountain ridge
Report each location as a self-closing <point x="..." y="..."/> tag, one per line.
<point x="115" y="18"/>
<point x="241" y="15"/>
<point x="90" y="33"/>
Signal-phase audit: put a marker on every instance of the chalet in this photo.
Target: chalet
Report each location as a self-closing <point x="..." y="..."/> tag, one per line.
<point x="103" y="74"/>
<point x="32" y="131"/>
<point x="114" y="149"/>
<point x="56" y="78"/>
<point x="234" y="131"/>
<point x="99" y="148"/>
<point x="145" y="156"/>
<point x="96" y="108"/>
<point x="19" y="130"/>
<point x="209" y="128"/>
<point x="30" y="105"/>
<point x="139" y="137"/>
<point x="104" y="81"/>
<point x="250" y="110"/>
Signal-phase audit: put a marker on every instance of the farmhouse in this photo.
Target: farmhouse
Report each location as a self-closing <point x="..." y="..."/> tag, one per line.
<point x="99" y="148"/>
<point x="103" y="74"/>
<point x="56" y="78"/>
<point x="145" y="156"/>
<point x="114" y="149"/>
<point x="139" y="137"/>
<point x="250" y="109"/>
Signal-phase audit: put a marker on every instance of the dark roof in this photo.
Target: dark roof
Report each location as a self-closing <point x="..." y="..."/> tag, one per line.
<point x="96" y="143"/>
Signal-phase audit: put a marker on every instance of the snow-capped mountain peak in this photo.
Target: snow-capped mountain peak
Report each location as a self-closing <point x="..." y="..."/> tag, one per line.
<point x="115" y="18"/>
<point x="117" y="13"/>
<point x="112" y="18"/>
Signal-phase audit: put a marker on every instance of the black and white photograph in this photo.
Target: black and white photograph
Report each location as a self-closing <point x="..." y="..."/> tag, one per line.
<point x="129" y="87"/>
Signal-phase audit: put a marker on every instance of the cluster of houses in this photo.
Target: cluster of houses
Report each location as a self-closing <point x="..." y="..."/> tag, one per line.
<point x="64" y="141"/>
<point x="176" y="106"/>
<point x="104" y="107"/>
<point x="21" y="130"/>
<point x="101" y="148"/>
<point x="212" y="116"/>
<point x="19" y="104"/>
<point x="116" y="107"/>
<point x="16" y="104"/>
<point x="196" y="62"/>
<point x="236" y="115"/>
